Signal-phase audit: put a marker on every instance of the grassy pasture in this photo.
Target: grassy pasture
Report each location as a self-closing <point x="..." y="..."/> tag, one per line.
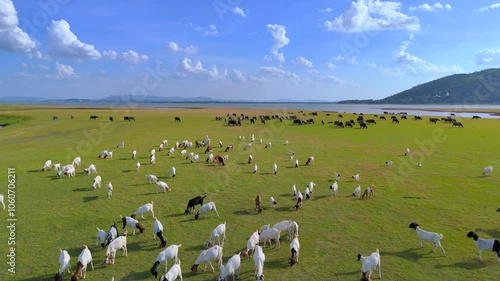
<point x="447" y="194"/>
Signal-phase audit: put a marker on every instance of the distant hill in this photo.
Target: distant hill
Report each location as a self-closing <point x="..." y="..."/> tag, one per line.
<point x="482" y="87"/>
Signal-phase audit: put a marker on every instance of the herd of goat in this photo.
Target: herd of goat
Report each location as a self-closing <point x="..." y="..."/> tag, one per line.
<point x="115" y="242"/>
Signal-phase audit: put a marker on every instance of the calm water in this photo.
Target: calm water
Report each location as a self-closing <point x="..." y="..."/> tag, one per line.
<point x="286" y="107"/>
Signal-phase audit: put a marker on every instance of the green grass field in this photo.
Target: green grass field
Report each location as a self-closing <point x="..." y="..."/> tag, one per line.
<point x="447" y="194"/>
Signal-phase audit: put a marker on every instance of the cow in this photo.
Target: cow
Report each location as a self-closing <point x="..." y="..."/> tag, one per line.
<point x="340" y="116"/>
<point x="476" y="117"/>
<point x="339" y="124"/>
<point x="382" y="118"/>
<point x="370" y="121"/>
<point x="232" y="122"/>
<point x="111" y="118"/>
<point x="457" y="124"/>
<point x="93" y="117"/>
<point x="297" y="121"/>
<point x="348" y="124"/>
<point x="395" y="120"/>
<point x="55" y="117"/>
<point x="416" y="117"/>
<point x="177" y="119"/>
<point x="363" y="125"/>
<point x="433" y="120"/>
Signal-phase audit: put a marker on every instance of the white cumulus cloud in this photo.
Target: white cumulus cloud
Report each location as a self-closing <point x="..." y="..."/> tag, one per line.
<point x="326" y="10"/>
<point x="280" y="40"/>
<point x="487" y="57"/>
<point x="238" y="11"/>
<point x="490" y="7"/>
<point x="129" y="56"/>
<point x="174" y="47"/>
<point x="331" y="65"/>
<point x="13" y="38"/>
<point x="210" y="30"/>
<point x="430" y="8"/>
<point x="301" y="61"/>
<point x="62" y="42"/>
<point x="188" y="68"/>
<point x="64" y="71"/>
<point x="364" y="15"/>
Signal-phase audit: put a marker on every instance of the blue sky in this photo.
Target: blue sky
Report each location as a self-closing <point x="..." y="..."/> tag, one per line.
<point x="240" y="49"/>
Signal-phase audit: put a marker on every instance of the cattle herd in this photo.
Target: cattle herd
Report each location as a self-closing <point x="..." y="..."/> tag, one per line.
<point x="114" y="241"/>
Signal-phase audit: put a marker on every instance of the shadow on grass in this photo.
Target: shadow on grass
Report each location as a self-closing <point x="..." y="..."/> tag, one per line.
<point x="352" y="273"/>
<point x="89" y="198"/>
<point x="245" y="212"/>
<point x="175" y="215"/>
<point x="407" y="254"/>
<point x="490" y="232"/>
<point x="469" y="265"/>
<point x="143" y="275"/>
<point x="127" y="171"/>
<point x="322" y="197"/>
<point x="196" y="248"/>
<point x="284" y="209"/>
<point x="34" y="171"/>
<point x="82" y="189"/>
<point x="412" y="197"/>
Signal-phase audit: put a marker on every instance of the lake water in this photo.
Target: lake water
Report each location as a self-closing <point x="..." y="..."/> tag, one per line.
<point x="411" y="109"/>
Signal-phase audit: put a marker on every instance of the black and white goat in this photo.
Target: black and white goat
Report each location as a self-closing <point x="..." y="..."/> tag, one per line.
<point x="428" y="236"/>
<point x="198" y="200"/>
<point x="485" y="244"/>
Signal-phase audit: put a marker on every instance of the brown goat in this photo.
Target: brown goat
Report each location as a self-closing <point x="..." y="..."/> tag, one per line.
<point x="299" y="204"/>
<point x="258" y="204"/>
<point x="365" y="277"/>
<point x="368" y="192"/>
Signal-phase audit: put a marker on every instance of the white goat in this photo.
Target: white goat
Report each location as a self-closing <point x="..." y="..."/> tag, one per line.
<point x="133" y="223"/>
<point x="252" y="241"/>
<point x="232" y="268"/>
<point x="162" y="185"/>
<point x="284" y="226"/>
<point x="64" y="260"/>
<point x="183" y="153"/>
<point x="170" y="253"/>
<point x="172" y="172"/>
<point x="275" y="168"/>
<point x="296" y="162"/>
<point x="84" y="259"/>
<point x="47" y="166"/>
<point x="407" y="151"/>
<point x="259" y="258"/>
<point x="218" y="232"/>
<point x="487" y="171"/>
<point x="152" y="159"/>
<point x="264" y="228"/>
<point x="485" y="244"/>
<point x="273" y="202"/>
<point x="174" y="272"/>
<point x="294" y="190"/>
<point x="148" y="207"/>
<point x="120" y="145"/>
<point x="357" y="191"/>
<point x="134" y="154"/>
<point x="335" y="188"/>
<point x="269" y="144"/>
<point x="67" y="170"/>
<point x="160" y="147"/>
<point x="105" y="154"/>
<point x="158" y="232"/>
<point x="255" y="168"/>
<point x="427" y="236"/>
<point x="110" y="189"/>
<point x="2" y="201"/>
<point x="77" y="162"/>
<point x="286" y="142"/>
<point x="151" y="178"/>
<point x="101" y="235"/>
<point x="210" y="206"/>
<point x="294" y="251"/>
<point x="195" y="158"/>
<point x="388" y="163"/>
<point x="337" y="176"/>
<point x="117" y="244"/>
<point x="164" y="142"/>
<point x="207" y="256"/>
<point x="96" y="183"/>
<point x="270" y="234"/>
<point x="355" y="177"/>
<point x="138" y="166"/>
<point x="311" y="186"/>
<point x="153" y="152"/>
<point x="91" y="170"/>
<point x="370" y="263"/>
<point x="57" y="167"/>
<point x="247" y="146"/>
<point x="171" y="151"/>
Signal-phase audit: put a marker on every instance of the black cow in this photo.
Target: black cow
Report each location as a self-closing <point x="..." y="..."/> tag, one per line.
<point x="55" y="117"/>
<point x="177" y="119"/>
<point x="297" y="121"/>
<point x="339" y="124"/>
<point x="340" y="116"/>
<point x="371" y="121"/>
<point x="395" y="120"/>
<point x="111" y="118"/>
<point x="404" y="117"/>
<point x="476" y="117"/>
<point x="348" y="124"/>
<point x="416" y="117"/>
<point x="93" y="117"/>
<point x="457" y="124"/>
<point x="198" y="200"/>
<point x="433" y="120"/>
<point x="382" y="118"/>
<point x="232" y="122"/>
<point x="363" y="125"/>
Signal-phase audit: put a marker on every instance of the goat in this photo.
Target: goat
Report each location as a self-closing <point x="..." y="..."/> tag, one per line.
<point x="255" y="168"/>
<point x="134" y="154"/>
<point x="158" y="232"/>
<point x="299" y="204"/>
<point x="407" y="151"/>
<point x="174" y="272"/>
<point x="198" y="200"/>
<point x="311" y="186"/>
<point x="275" y="168"/>
<point x="90" y="170"/>
<point x="162" y="185"/>
<point x="111" y="235"/>
<point x="101" y="235"/>
<point x="252" y="241"/>
<point x="264" y="228"/>
<point x="427" y="236"/>
<point x="270" y="234"/>
<point x="120" y="145"/>
<point x="109" y="187"/>
<point x="2" y="201"/>
<point x="138" y="166"/>
<point x="269" y="144"/>
<point x="369" y="191"/>
<point x="172" y="172"/>
<point x="370" y="263"/>
<point x="337" y="176"/>
<point x="259" y="259"/>
<point x="250" y="158"/>
<point x="144" y="209"/>
<point x="485" y="244"/>
<point x="170" y="253"/>
<point x="57" y="167"/>
<point x="335" y="188"/>
<point x="105" y="154"/>
<point x="219" y="231"/>
<point x="128" y="221"/>
<point x="47" y="166"/>
<point x="96" y="183"/>
<point x="310" y="160"/>
<point x="232" y="267"/>
<point x="487" y="171"/>
<point x="294" y="251"/>
<point x="355" y="177"/>
<point x="77" y="162"/>
<point x="294" y="190"/>
<point x="258" y="204"/>
<point x="64" y="259"/>
<point x="117" y="244"/>
<point x="210" y="206"/>
<point x="151" y="178"/>
<point x="84" y="259"/>
<point x="207" y="256"/>
<point x="273" y="202"/>
<point x="152" y="159"/>
<point x="308" y="193"/>
<point x="357" y="191"/>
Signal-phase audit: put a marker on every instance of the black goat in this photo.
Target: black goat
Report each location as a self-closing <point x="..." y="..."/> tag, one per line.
<point x="198" y="200"/>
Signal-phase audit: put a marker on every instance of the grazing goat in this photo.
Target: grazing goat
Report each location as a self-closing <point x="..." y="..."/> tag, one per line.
<point x="57" y="167"/>
<point x="207" y="256"/>
<point x="218" y="232"/>
<point x="296" y="162"/>
<point x="337" y="176"/>
<point x="407" y="151"/>
<point x="259" y="259"/>
<point x="250" y="158"/>
<point x="369" y="191"/>
<point x="232" y="268"/>
<point x="120" y="145"/>
<point x="294" y="190"/>
<point x="111" y="235"/>
<point x="152" y="159"/>
<point x="269" y="144"/>
<point x="311" y="186"/>
<point x="172" y="172"/>
<point x="252" y="241"/>
<point x="370" y="263"/>
<point x="77" y="162"/>
<point x="174" y="272"/>
<point x="84" y="259"/>
<point x="90" y="170"/>
<point x="162" y="185"/>
<point x="255" y="168"/>
<point x="210" y="206"/>
<point x="198" y="200"/>
<point x="158" y="232"/>
<point x="138" y="166"/>
<point x="170" y="253"/>
<point x="299" y="204"/>
<point x="335" y="188"/>
<point x="64" y="259"/>
<point x="47" y="166"/>
<point x="109" y="187"/>
<point x="308" y="193"/>
<point x="264" y="228"/>
<point x="275" y="168"/>
<point x="485" y="244"/>
<point x="487" y="171"/>
<point x="294" y="251"/>
<point x="270" y="234"/>
<point x="388" y="163"/>
<point x="105" y="154"/>
<point x="117" y="244"/>
<point x="357" y="191"/>
<point x="133" y="223"/>
<point x="273" y="202"/>
<point x="285" y="226"/>
<point x="151" y="179"/>
<point x="310" y="160"/>
<point x="258" y="204"/>
<point x="134" y="154"/>
<point x="427" y="236"/>
<point x="101" y="235"/>
<point x="96" y="183"/>
<point x="144" y="209"/>
<point x="355" y="177"/>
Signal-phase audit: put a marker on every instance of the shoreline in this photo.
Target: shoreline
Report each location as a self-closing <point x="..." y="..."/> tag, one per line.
<point x="491" y="111"/>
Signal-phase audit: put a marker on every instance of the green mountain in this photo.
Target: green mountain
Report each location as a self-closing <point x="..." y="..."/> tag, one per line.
<point x="482" y="87"/>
